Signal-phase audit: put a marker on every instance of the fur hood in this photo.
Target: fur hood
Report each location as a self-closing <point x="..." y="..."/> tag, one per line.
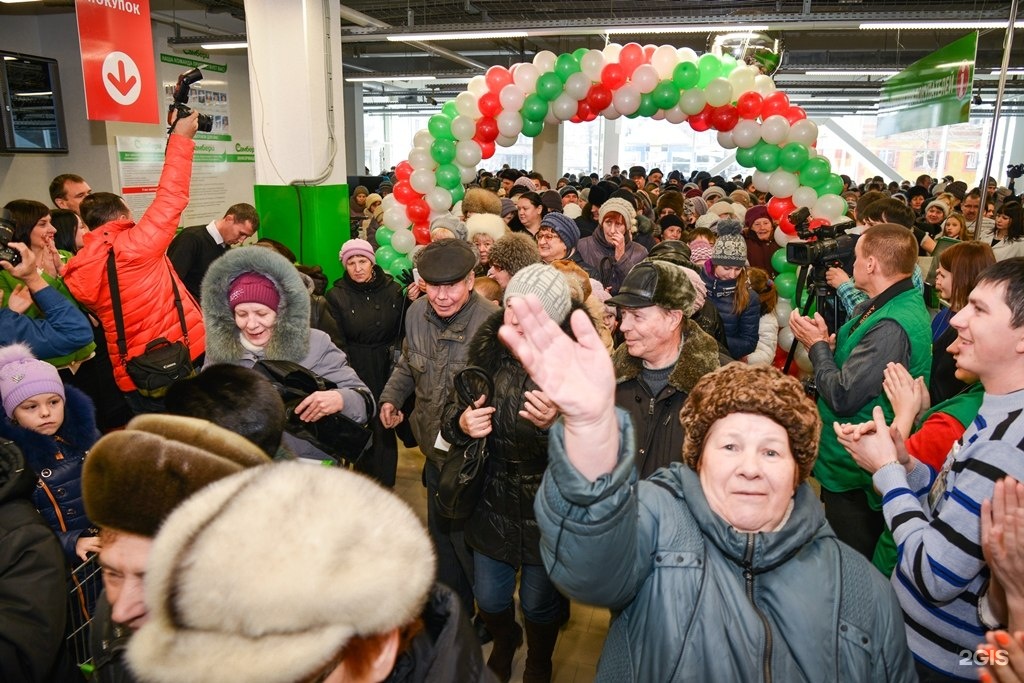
<point x="698" y="357"/>
<point x="79" y="430"/>
<point x="290" y="340"/>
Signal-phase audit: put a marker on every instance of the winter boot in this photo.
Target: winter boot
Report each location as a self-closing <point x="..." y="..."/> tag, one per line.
<point x="540" y="644"/>
<point x="508" y="636"/>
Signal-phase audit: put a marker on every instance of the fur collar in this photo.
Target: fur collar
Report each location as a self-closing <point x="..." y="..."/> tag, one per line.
<point x="79" y="430"/>
<point x="290" y="340"/>
<point x="698" y="357"/>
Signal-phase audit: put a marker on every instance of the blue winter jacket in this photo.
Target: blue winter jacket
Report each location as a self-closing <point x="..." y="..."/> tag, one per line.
<point x="741" y="330"/>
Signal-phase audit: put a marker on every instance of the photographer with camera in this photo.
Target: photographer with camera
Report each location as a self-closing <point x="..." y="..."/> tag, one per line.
<point x="892" y="325"/>
<point x="150" y="302"/>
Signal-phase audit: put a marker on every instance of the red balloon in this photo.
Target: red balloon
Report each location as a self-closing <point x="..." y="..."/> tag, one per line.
<point x="725" y="117"/>
<point x="786" y="226"/>
<point x="583" y="110"/>
<point x="749" y="104"/>
<point x="418" y="211"/>
<point x="497" y="78"/>
<point x="421" y="231"/>
<point x="404" y="192"/>
<point x="794" y="114"/>
<point x="649" y="52"/>
<point x="613" y="76"/>
<point x="486" y="129"/>
<point x="592" y="116"/>
<point x="816" y="223"/>
<point x="631" y="56"/>
<point x="489" y="104"/>
<point x="599" y="97"/>
<point x="702" y="121"/>
<point x="776" y="103"/>
<point x="779" y="207"/>
<point x="486" y="148"/>
<point x="575" y="119"/>
<point x="403" y="170"/>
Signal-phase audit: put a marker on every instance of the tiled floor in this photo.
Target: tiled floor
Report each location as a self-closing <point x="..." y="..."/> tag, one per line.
<point x="579" y="644"/>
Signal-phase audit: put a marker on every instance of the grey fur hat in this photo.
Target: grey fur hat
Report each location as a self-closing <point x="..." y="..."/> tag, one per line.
<point x="513" y="252"/>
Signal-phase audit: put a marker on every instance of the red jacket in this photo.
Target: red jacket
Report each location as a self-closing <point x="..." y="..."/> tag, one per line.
<point x="143" y="270"/>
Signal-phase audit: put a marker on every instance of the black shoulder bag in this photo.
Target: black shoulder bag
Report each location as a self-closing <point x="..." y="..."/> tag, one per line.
<point x="163" y="362"/>
<point x="463" y="473"/>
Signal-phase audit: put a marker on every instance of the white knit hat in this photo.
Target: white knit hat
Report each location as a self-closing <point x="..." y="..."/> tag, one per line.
<point x="258" y="578"/>
<point x="547" y="284"/>
<point x="620" y="206"/>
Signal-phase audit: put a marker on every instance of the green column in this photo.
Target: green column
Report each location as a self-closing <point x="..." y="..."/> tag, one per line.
<point x="310" y="220"/>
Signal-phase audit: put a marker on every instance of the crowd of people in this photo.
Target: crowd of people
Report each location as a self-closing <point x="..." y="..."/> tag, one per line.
<point x="645" y="444"/>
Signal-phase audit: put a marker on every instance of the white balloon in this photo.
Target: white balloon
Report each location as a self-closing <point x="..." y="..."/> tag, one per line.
<point x="438" y="199"/>
<point x="761" y="180"/>
<point x="477" y="86"/>
<point x="718" y="92"/>
<point x="746" y="133"/>
<point x="465" y="104"/>
<point x="782" y="310"/>
<point x="785" y="337"/>
<point x="511" y="98"/>
<point x="830" y="206"/>
<point x="626" y="99"/>
<point x="564" y="107"/>
<point x="764" y="84"/>
<point x="592" y="63"/>
<point x="463" y="127"/>
<point x="611" y="113"/>
<point x="403" y="241"/>
<point x="550" y="119"/>
<point x="725" y="140"/>
<point x="783" y="183"/>
<point x="645" y="78"/>
<point x="420" y="158"/>
<point x="544" y="60"/>
<point x="395" y="217"/>
<point x="468" y="154"/>
<point x="804" y="197"/>
<point x="803" y="359"/>
<point x="525" y="77"/>
<point x="388" y="201"/>
<point x="577" y="85"/>
<point x="467" y="174"/>
<point x="675" y="115"/>
<point x="781" y="238"/>
<point x="805" y="132"/>
<point x="658" y="115"/>
<point x="510" y="124"/>
<point x="422" y="180"/>
<point x="664" y="61"/>
<point x="506" y="140"/>
<point x="686" y="55"/>
<point x="775" y="129"/>
<point x="742" y="79"/>
<point x="692" y="101"/>
<point x="422" y="139"/>
<point x="611" y="53"/>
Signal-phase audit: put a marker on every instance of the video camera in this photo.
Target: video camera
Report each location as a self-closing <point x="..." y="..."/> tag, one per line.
<point x="178" y="109"/>
<point x="6" y="235"/>
<point x="827" y="246"/>
<point x="1014" y="171"/>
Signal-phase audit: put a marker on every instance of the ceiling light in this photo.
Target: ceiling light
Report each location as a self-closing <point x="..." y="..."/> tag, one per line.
<point x="1009" y="72"/>
<point x="471" y="35"/>
<point x="388" y="79"/>
<point x="685" y="28"/>
<point x="936" y="25"/>
<point x="16" y="2"/>
<point x="237" y="45"/>
<point x="851" y="72"/>
<point x="46" y="93"/>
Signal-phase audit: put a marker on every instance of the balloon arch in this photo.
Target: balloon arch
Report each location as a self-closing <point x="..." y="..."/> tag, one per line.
<point x="709" y="92"/>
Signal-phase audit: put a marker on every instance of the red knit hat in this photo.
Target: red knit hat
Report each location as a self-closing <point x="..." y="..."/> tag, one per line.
<point x="253" y="288"/>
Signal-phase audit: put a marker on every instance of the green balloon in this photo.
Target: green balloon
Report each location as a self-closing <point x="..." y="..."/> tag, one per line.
<point x="579" y="52"/>
<point x="549" y="86"/>
<point x="793" y="157"/>
<point x="383" y="236"/>
<point x="634" y="115"/>
<point x="534" y="108"/>
<point x="385" y="256"/>
<point x="780" y="264"/>
<point x="815" y="172"/>
<point x="746" y="156"/>
<point x="685" y="75"/>
<point x="648" y="107"/>
<point x="566" y="65"/>
<point x="532" y="129"/>
<point x="666" y="95"/>
<point x="442" y="151"/>
<point x="709" y="67"/>
<point x="799" y="305"/>
<point x="458" y="192"/>
<point x="785" y="283"/>
<point x="400" y="264"/>
<point x="448" y="176"/>
<point x="832" y="185"/>
<point x="728" y="64"/>
<point x="440" y="126"/>
<point x="449" y="109"/>
<point x="767" y="157"/>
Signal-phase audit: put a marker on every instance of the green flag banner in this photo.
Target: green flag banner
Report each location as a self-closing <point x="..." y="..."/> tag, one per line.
<point x="931" y="92"/>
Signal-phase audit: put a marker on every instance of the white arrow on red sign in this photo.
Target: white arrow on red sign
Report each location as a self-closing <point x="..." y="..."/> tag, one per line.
<point x="121" y="78"/>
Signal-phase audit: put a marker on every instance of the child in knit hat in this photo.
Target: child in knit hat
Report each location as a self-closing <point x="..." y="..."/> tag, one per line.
<point x="726" y="279"/>
<point x="701" y="242"/>
<point x="54" y="426"/>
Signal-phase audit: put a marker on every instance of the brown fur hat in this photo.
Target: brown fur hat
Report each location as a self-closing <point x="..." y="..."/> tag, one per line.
<point x="479" y="200"/>
<point x="513" y="252"/>
<point x="673" y="200"/>
<point x="758" y="389"/>
<point x="134" y="478"/>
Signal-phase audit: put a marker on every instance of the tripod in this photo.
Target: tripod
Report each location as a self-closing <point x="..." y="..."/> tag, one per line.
<point x="823" y="298"/>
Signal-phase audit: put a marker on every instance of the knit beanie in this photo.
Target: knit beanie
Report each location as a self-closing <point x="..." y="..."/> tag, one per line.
<point x="938" y="204"/>
<point x="257" y="578"/>
<point x="741" y="197"/>
<point x="479" y="200"/>
<point x="757" y="389"/>
<point x="488" y="224"/>
<point x="23" y="376"/>
<point x="508" y="207"/>
<point x="713" y="194"/>
<point x="360" y="189"/>
<point x="697" y="205"/>
<point x="708" y="220"/>
<point x="566" y="228"/>
<point x="355" y="247"/>
<point x="620" y="206"/>
<point x="723" y="207"/>
<point x="253" y="288"/>
<point x="699" y="288"/>
<point x="700" y="250"/>
<point x="450" y="223"/>
<point x="547" y="284"/>
<point x="730" y="249"/>
<point x="527" y="182"/>
<point x="568" y="190"/>
<point x="513" y="252"/>
<point x="755" y="212"/>
<point x="551" y="200"/>
<point x="135" y="477"/>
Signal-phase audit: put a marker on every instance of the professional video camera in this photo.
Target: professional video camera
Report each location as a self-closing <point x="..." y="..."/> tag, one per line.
<point x="827" y="246"/>
<point x="1014" y="171"/>
<point x="6" y="235"/>
<point x="177" y="109"/>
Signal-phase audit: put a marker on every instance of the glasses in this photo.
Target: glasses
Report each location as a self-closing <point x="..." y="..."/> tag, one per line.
<point x="548" y="236"/>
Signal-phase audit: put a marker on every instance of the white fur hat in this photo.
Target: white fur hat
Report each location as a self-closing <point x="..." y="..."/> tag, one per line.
<point x="486" y="224"/>
<point x="262" y="577"/>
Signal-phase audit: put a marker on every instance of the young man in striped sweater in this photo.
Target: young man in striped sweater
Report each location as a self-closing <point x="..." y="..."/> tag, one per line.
<point x="941" y="578"/>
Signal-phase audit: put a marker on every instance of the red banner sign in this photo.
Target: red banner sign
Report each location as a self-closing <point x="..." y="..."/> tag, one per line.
<point x="117" y="60"/>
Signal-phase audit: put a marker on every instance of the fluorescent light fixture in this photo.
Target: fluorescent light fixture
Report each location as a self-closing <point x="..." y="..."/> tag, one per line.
<point x="1009" y="72"/>
<point x="388" y="79"/>
<point x="16" y="2"/>
<point x="33" y="94"/>
<point x="684" y="28"/>
<point x="851" y="72"/>
<point x="936" y="25"/>
<point x="225" y="46"/>
<point x="469" y="35"/>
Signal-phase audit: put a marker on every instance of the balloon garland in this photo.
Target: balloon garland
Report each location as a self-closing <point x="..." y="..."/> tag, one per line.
<point x="709" y="92"/>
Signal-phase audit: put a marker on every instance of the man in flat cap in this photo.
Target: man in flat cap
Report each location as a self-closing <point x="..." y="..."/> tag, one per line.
<point x="438" y="329"/>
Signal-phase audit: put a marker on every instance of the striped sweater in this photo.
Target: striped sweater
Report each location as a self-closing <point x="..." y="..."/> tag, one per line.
<point x="935" y="521"/>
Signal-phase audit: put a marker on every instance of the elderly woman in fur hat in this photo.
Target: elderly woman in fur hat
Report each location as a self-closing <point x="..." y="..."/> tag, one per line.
<point x="721" y="567"/>
<point x="256" y="307"/>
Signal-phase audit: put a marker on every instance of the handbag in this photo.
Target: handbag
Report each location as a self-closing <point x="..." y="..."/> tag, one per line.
<point x="163" y="362"/>
<point x="337" y="435"/>
<point x="463" y="472"/>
